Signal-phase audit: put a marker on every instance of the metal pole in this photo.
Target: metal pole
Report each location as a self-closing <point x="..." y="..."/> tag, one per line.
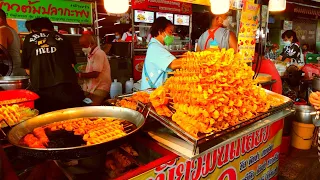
<point x="96" y="23"/>
<point x="133" y="33"/>
<point x="190" y="32"/>
<point x="238" y="17"/>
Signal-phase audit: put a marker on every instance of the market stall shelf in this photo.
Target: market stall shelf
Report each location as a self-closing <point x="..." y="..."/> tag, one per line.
<point x="204" y="142"/>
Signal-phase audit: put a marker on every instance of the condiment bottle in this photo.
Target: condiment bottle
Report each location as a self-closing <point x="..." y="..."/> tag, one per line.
<point x="129" y="86"/>
<point x="116" y="89"/>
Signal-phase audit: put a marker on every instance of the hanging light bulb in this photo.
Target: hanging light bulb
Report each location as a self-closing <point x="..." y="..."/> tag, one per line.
<point x="277" y="5"/>
<point x="116" y="6"/>
<point x="220" y="6"/>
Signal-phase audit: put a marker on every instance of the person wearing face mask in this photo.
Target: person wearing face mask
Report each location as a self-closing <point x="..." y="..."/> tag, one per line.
<point x="117" y="37"/>
<point x="127" y="36"/>
<point x="218" y="32"/>
<point x="97" y="78"/>
<point x="159" y="61"/>
<point x="49" y="59"/>
<point x="291" y="53"/>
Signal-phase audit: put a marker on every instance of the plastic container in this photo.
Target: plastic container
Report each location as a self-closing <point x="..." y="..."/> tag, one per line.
<point x="129" y="86"/>
<point x="18" y="94"/>
<point x="214" y="45"/>
<point x="302" y="135"/>
<point x="116" y="89"/>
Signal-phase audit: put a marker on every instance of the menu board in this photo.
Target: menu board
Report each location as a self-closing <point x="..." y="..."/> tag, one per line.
<point x="143" y="16"/>
<point x="166" y="15"/>
<point x="248" y="29"/>
<point x="181" y="20"/>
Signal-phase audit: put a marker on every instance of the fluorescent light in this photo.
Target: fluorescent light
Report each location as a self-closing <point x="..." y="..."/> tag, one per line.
<point x="116" y="6"/>
<point x="100" y="19"/>
<point x="277" y="5"/>
<point x="220" y="6"/>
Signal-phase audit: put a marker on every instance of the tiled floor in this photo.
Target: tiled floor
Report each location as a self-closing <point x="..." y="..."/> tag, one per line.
<point x="300" y="165"/>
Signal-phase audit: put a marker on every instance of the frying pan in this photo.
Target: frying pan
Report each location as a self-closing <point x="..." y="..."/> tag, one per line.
<point x="20" y="130"/>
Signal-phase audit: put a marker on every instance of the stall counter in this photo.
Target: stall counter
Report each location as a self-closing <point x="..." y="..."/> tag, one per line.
<point x="251" y="152"/>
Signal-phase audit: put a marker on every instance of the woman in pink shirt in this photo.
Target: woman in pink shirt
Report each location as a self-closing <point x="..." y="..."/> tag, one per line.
<point x="98" y="74"/>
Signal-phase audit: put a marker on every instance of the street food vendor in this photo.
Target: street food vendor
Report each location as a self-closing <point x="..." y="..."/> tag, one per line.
<point x="159" y="61"/>
<point x="291" y="52"/>
<point x="218" y="32"/>
<point x="127" y="36"/>
<point x="97" y="77"/>
<point x="10" y="40"/>
<point x="49" y="58"/>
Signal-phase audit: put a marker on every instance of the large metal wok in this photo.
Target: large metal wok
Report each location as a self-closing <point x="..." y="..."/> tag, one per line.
<point x="78" y="152"/>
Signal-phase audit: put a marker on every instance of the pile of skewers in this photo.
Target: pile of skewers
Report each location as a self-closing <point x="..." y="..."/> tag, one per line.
<point x="213" y="91"/>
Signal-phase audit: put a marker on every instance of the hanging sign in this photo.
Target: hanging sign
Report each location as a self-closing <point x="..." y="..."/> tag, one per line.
<point x="201" y="2"/>
<point x="56" y="11"/>
<point x="234" y="4"/>
<point x="167" y="6"/>
<point x="253" y="156"/>
<point x="249" y="24"/>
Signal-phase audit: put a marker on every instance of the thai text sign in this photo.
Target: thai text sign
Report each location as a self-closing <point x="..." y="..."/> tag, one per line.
<point x="168" y="6"/>
<point x="253" y="156"/>
<point x="55" y="10"/>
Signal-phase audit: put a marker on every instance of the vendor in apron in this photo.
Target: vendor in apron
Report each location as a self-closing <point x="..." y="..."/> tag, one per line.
<point x="219" y="33"/>
<point x="159" y="61"/>
<point x="127" y="36"/>
<point x="97" y="77"/>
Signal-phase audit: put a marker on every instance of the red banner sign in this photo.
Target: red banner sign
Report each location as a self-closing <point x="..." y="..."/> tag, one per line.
<point x="253" y="156"/>
<point x="138" y="66"/>
<point x="168" y="6"/>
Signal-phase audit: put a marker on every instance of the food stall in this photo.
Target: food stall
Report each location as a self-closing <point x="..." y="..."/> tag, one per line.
<point x="145" y="12"/>
<point x="235" y="136"/>
<point x="205" y="122"/>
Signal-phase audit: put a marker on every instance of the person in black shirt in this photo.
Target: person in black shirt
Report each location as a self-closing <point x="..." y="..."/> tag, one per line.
<point x="291" y="52"/>
<point x="48" y="58"/>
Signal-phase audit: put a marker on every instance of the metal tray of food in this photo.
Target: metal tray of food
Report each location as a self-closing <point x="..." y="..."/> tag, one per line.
<point x="206" y="141"/>
<point x="140" y="106"/>
<point x="20" y="130"/>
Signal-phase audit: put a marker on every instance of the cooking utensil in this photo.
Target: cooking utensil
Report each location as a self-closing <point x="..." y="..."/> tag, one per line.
<point x="20" y="130"/>
<point x="13" y="82"/>
<point x="304" y="114"/>
<point x="74" y="31"/>
<point x="316" y="83"/>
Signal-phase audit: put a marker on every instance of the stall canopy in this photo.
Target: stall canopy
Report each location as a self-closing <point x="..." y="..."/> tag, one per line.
<point x="307" y="10"/>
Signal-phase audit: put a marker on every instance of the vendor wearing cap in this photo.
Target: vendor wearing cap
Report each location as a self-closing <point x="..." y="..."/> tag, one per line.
<point x="159" y="61"/>
<point x="218" y="33"/>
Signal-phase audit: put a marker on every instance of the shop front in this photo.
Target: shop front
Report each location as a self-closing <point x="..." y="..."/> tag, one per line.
<point x="204" y="122"/>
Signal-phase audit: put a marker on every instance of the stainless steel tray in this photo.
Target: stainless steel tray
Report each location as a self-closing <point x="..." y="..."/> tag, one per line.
<point x="206" y="141"/>
<point x="25" y="127"/>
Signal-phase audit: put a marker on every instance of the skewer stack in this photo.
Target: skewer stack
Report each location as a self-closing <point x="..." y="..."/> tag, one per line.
<point x="211" y="92"/>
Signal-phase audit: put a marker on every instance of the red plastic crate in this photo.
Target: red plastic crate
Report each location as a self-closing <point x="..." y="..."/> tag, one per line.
<point x="17" y="94"/>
